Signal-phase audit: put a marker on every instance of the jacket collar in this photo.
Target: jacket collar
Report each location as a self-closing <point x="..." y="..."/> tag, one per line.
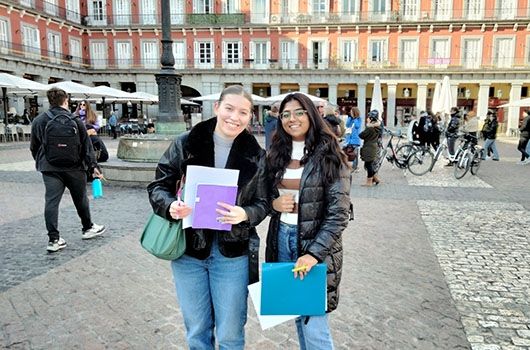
<point x="243" y="154"/>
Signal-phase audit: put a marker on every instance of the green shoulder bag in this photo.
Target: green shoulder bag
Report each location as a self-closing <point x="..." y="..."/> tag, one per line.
<point x="163" y="238"/>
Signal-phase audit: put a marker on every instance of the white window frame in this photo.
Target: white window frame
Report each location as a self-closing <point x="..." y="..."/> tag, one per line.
<point x="378" y="13"/>
<point x="471" y="62"/>
<point x="204" y="62"/>
<point x="178" y="12"/>
<point x="150" y="61"/>
<point x="51" y="7"/>
<point x="323" y="62"/>
<point x="203" y="6"/>
<point x="318" y="7"/>
<point x="123" y="54"/>
<point x="257" y="16"/>
<point x="349" y="59"/>
<point x="439" y="62"/>
<point x="230" y="6"/>
<point x="99" y="62"/>
<point x="473" y="12"/>
<point x="411" y="9"/>
<point x="405" y="62"/>
<point x="384" y="58"/>
<point x="122" y="12"/>
<point x="31" y="45"/>
<point x="73" y="11"/>
<point x="508" y="60"/>
<point x="149" y="17"/>
<point x="5" y="36"/>
<point x="258" y="63"/>
<point x="289" y="58"/>
<point x="444" y="13"/>
<point x="76" y="55"/>
<point x="180" y="62"/>
<point x="27" y="3"/>
<point x="288" y="13"/>
<point x="54" y="46"/>
<point x="98" y="14"/>
<point x="506" y="11"/>
<point x="349" y="9"/>
<point x="236" y="61"/>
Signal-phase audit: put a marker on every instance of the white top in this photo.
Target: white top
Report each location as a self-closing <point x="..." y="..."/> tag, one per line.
<point x="293" y="172"/>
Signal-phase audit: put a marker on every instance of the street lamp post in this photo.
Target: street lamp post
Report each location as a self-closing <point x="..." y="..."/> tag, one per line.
<point x="170" y="119"/>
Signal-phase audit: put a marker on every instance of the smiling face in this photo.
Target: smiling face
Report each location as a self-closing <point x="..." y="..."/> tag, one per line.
<point x="233" y="115"/>
<point x="295" y="121"/>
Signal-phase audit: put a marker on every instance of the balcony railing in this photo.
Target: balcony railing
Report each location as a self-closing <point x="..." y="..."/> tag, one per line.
<point x="49" y="8"/>
<point x="9" y="49"/>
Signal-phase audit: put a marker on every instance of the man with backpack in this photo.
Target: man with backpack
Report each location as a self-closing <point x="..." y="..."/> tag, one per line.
<point x="63" y="154"/>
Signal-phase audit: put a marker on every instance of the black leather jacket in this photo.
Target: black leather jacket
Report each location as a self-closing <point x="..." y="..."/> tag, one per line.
<point x="197" y="148"/>
<point x="323" y="214"/>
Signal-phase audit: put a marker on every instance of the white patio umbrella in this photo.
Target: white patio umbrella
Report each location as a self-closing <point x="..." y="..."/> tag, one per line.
<point x="446" y="101"/>
<point x="12" y="82"/>
<point x="108" y="92"/>
<point x="525" y="102"/>
<point x="280" y="98"/>
<point x="377" y="98"/>
<point x="75" y="89"/>
<point x="215" y="97"/>
<point x="435" y="106"/>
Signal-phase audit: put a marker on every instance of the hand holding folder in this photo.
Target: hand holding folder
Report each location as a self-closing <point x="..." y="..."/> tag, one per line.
<point x="205" y="214"/>
<point x="282" y="294"/>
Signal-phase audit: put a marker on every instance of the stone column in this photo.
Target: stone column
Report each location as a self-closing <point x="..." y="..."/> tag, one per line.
<point x="304" y="87"/>
<point x="391" y="104"/>
<point x="513" y="112"/>
<point x="421" y="97"/>
<point x="361" y="100"/>
<point x="332" y="95"/>
<point x="275" y="89"/>
<point x="483" y="98"/>
<point x="454" y="94"/>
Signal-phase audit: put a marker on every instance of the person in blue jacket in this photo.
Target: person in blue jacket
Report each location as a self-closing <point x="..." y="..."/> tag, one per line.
<point x="353" y="128"/>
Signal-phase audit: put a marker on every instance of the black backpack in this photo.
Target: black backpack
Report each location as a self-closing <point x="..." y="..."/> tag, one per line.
<point x="62" y="144"/>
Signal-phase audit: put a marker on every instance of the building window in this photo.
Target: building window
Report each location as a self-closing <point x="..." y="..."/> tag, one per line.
<point x="503" y="53"/>
<point x="148" y="13"/>
<point x="408" y="53"/>
<point x="50" y="7"/>
<point x="349" y="7"/>
<point x="122" y="12"/>
<point x="28" y="3"/>
<point x="96" y="12"/>
<point x="230" y="6"/>
<point x="378" y="52"/>
<point x="150" y="59"/>
<point x="319" y="7"/>
<point x="259" y="53"/>
<point x="379" y="9"/>
<point x="232" y="54"/>
<point x="4" y="36"/>
<point x="72" y="11"/>
<point x="471" y="53"/>
<point x="260" y="11"/>
<point x="54" y="47"/>
<point x="75" y="52"/>
<point x="440" y="55"/>
<point x="31" y="41"/>
<point x="202" y="6"/>
<point x="179" y="53"/>
<point x="506" y="9"/>
<point x="204" y="54"/>
<point x="473" y="9"/>
<point x="348" y="53"/>
<point x="98" y="54"/>
<point x="442" y="9"/>
<point x="177" y="11"/>
<point x="410" y="9"/>
<point x="123" y="54"/>
<point x="288" y="54"/>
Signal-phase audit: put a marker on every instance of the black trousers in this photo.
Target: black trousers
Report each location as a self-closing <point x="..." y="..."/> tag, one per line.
<point x="55" y="183"/>
<point x="521" y="147"/>
<point x="369" y="166"/>
<point x="113" y="132"/>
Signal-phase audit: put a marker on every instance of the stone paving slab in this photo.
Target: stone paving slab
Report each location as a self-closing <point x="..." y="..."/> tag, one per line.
<point x="484" y="251"/>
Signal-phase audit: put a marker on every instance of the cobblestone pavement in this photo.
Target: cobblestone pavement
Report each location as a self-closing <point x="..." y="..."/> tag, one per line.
<point x="430" y="263"/>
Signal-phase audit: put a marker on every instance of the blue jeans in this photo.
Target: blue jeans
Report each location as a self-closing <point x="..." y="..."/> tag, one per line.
<point x="490" y="143"/>
<point x="313" y="332"/>
<point x="212" y="293"/>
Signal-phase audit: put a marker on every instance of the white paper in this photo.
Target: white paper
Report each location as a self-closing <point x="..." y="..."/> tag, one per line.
<point x="265" y="321"/>
<point x="204" y="175"/>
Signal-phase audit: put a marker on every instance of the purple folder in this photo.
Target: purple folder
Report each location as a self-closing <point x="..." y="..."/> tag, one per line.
<point x="204" y="214"/>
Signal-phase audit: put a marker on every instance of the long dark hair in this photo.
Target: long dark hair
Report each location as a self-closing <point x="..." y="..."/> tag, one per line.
<point x="319" y="142"/>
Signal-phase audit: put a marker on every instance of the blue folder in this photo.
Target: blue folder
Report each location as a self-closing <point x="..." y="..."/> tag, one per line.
<point x="282" y="294"/>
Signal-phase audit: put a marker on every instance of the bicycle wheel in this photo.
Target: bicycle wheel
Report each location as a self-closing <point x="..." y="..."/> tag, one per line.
<point x="420" y="162"/>
<point x="475" y="162"/>
<point x="461" y="166"/>
<point x="381" y="155"/>
<point x="403" y="154"/>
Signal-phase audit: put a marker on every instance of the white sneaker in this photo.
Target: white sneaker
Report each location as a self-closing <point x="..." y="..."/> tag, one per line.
<point x="521" y="162"/>
<point x="56" y="245"/>
<point x="94" y="231"/>
<point x="527" y="161"/>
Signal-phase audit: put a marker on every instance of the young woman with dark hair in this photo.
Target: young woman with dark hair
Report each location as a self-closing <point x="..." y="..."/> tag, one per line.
<point x="310" y="180"/>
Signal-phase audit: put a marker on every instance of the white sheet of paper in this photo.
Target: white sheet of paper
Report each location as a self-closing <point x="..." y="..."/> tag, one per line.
<point x="265" y="321"/>
<point x="205" y="175"/>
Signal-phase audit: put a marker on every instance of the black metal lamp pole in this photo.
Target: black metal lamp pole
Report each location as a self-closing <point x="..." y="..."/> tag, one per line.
<point x="170" y="119"/>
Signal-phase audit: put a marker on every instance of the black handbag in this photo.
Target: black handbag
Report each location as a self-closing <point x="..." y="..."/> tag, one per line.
<point x="350" y="152"/>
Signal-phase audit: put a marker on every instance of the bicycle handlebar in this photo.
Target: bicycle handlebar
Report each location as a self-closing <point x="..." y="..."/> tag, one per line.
<point x="395" y="134"/>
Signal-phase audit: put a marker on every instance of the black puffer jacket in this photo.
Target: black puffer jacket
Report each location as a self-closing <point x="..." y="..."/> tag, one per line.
<point x="489" y="130"/>
<point x="245" y="155"/>
<point x="323" y="213"/>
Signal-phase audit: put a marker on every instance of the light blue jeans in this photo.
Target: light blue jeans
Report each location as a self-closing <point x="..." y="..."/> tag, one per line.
<point x="490" y="143"/>
<point x="212" y="293"/>
<point x="313" y="332"/>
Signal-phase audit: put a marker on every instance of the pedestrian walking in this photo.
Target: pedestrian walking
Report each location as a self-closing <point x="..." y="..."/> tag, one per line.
<point x="452" y="133"/>
<point x="524" y="136"/>
<point x="333" y="121"/>
<point x="470" y="126"/>
<point x="211" y="278"/>
<point x="270" y="123"/>
<point x="113" y="122"/>
<point x="353" y="128"/>
<point x="489" y="133"/>
<point x="369" y="151"/>
<point x="63" y="153"/>
<point x="310" y="180"/>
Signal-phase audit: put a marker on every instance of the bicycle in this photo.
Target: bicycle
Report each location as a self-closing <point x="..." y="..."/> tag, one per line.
<point x="468" y="155"/>
<point x="396" y="154"/>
